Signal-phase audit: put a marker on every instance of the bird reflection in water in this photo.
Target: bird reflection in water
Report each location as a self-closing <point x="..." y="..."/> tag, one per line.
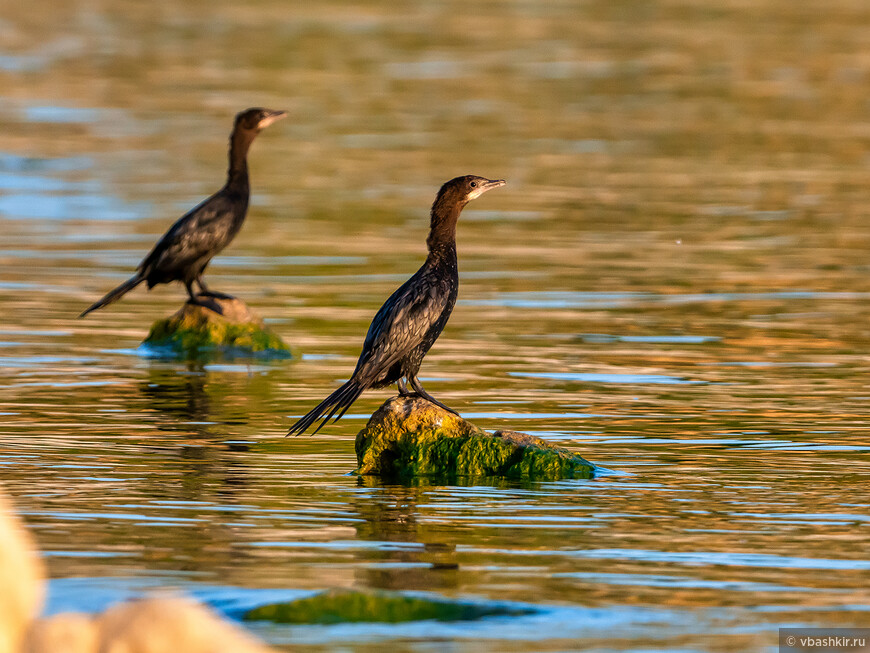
<point x="389" y="513"/>
<point x="185" y="401"/>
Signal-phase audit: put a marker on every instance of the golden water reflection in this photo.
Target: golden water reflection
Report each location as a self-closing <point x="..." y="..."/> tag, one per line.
<point x="674" y="282"/>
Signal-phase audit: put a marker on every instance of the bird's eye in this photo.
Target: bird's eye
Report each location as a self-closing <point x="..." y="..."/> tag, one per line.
<point x="474" y="184"/>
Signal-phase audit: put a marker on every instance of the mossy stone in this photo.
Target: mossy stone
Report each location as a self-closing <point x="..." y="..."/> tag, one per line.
<point x="348" y="606"/>
<point x="409" y="437"/>
<point x="196" y="331"/>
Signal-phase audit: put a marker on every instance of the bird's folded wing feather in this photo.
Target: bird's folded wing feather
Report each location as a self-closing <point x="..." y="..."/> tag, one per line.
<point x="403" y="321"/>
<point x="193" y="235"/>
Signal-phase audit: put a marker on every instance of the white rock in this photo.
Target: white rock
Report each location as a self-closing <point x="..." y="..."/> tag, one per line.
<point x="21" y="584"/>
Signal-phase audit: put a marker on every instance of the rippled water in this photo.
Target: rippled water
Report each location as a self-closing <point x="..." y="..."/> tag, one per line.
<point x="674" y="283"/>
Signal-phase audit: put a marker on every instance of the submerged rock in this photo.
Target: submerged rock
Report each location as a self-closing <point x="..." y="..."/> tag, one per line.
<point x="410" y="437"/>
<point x="348" y="606"/>
<point x="195" y="331"/>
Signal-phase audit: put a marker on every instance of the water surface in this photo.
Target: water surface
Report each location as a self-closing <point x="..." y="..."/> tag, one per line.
<point x="674" y="283"/>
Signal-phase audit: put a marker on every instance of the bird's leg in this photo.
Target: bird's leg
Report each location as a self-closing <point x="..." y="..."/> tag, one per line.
<point x="205" y="292"/>
<point x="197" y="300"/>
<point x="415" y="383"/>
<point x="190" y="293"/>
<point x="403" y="389"/>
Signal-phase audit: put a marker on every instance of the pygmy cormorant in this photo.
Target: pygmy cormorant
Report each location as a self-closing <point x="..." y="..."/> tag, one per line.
<point x="186" y="249"/>
<point x="413" y="317"/>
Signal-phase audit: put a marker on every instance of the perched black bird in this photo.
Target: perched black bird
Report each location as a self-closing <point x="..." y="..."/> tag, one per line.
<point x="189" y="245"/>
<point x="413" y="317"/>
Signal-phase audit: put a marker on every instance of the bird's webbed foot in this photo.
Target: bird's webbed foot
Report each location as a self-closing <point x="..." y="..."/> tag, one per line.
<point x="415" y="383"/>
<point x="210" y="304"/>
<point x="214" y="294"/>
<point x="205" y="292"/>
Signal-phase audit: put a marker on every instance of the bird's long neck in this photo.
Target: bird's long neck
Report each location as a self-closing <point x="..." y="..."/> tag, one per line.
<point x="240" y="142"/>
<point x="442" y="232"/>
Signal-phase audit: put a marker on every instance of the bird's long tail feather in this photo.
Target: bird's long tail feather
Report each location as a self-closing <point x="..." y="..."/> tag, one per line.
<point x="341" y="400"/>
<point x="116" y="294"/>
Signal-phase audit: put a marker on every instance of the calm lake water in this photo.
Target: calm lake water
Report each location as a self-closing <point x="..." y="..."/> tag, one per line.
<point x="675" y="283"/>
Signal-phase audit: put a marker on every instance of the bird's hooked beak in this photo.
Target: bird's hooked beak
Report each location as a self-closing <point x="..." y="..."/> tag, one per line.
<point x="269" y="118"/>
<point x="489" y="184"/>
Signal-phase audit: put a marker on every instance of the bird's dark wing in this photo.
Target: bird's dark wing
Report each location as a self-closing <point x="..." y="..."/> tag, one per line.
<point x="403" y="321"/>
<point x="207" y="228"/>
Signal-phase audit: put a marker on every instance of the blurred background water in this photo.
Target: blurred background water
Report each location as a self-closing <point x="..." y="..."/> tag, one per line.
<point x="674" y="283"/>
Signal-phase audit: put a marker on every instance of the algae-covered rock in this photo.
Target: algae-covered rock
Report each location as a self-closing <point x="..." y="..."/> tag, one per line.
<point x="348" y="606"/>
<point x="410" y="437"/>
<point x="195" y="331"/>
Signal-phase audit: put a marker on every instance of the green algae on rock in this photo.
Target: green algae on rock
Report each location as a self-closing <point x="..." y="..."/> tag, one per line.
<point x="348" y="606"/>
<point x="196" y="331"/>
<point x="409" y="437"/>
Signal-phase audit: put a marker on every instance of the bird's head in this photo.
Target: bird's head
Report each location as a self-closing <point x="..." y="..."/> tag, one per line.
<point x="462" y="190"/>
<point x="256" y="119"/>
<point x="452" y="197"/>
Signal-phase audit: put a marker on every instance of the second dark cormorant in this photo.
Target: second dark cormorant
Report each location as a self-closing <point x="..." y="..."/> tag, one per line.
<point x="186" y="249"/>
<point x="413" y="317"/>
